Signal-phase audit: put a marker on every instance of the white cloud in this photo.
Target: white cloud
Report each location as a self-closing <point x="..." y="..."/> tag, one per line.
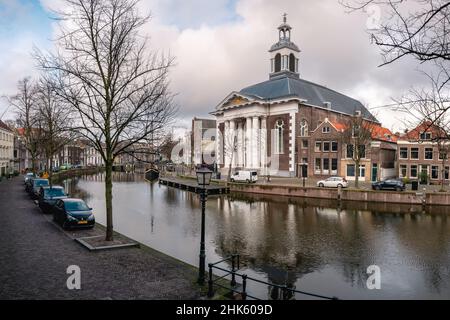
<point x="221" y="46"/>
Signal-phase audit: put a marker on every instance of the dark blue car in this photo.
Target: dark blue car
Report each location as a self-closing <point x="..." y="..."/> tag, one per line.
<point x="48" y="196"/>
<point x="73" y="213"/>
<point x="390" y="184"/>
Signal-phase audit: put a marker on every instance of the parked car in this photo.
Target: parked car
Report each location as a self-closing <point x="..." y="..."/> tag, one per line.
<point x="27" y="176"/>
<point x="65" y="166"/>
<point x="390" y="184"/>
<point x="36" y="184"/>
<point x="333" y="182"/>
<point x="244" y="176"/>
<point x="48" y="197"/>
<point x="73" y="213"/>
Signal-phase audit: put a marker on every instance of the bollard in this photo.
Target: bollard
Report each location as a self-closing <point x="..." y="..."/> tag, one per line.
<point x="210" y="282"/>
<point x="244" y="287"/>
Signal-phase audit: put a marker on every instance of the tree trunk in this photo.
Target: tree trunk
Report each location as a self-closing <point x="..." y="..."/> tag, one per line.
<point x="108" y="197"/>
<point x="50" y="171"/>
<point x="356" y="174"/>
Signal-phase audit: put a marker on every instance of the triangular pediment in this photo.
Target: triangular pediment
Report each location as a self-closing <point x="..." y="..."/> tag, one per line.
<point x="235" y="99"/>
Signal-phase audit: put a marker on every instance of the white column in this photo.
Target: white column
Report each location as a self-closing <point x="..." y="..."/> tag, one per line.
<point x="248" y="143"/>
<point x="231" y="138"/>
<point x="263" y="142"/>
<point x="255" y="141"/>
<point x="226" y="149"/>
<point x="218" y="144"/>
<point x="240" y="142"/>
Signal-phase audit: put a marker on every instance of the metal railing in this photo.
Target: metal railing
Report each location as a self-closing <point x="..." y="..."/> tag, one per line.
<point x="242" y="291"/>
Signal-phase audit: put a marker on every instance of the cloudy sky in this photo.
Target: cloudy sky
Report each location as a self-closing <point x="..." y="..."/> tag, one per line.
<point x="222" y="45"/>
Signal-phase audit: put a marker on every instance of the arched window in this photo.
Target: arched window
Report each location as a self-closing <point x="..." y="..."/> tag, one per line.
<point x="278" y="62"/>
<point x="291" y="62"/>
<point x="279" y="128"/>
<point x="304" y="128"/>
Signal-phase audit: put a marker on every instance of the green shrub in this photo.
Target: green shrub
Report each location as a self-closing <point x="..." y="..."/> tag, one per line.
<point x="423" y="178"/>
<point x="406" y="180"/>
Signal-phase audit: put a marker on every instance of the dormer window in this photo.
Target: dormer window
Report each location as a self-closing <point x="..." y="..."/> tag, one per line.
<point x="425" y="136"/>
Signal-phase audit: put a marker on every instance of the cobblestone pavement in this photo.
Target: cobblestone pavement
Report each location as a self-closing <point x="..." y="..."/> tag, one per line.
<point x="35" y="254"/>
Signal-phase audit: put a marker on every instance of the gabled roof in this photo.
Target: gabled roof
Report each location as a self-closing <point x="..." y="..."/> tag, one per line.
<point x="378" y="132"/>
<point x="4" y="126"/>
<point x="383" y="134"/>
<point x="425" y="126"/>
<point x="314" y="94"/>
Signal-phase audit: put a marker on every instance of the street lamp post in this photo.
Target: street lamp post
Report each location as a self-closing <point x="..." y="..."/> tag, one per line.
<point x="204" y="179"/>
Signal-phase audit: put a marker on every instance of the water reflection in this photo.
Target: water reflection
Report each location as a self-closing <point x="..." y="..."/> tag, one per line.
<point x="309" y="244"/>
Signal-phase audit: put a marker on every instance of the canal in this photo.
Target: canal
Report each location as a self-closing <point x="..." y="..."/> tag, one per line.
<point x="312" y="245"/>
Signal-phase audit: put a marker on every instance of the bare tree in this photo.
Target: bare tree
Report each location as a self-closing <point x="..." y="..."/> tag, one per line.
<point x="55" y="119"/>
<point x="28" y="119"/>
<point x="118" y="91"/>
<point x="429" y="109"/>
<point x="356" y="136"/>
<point x="230" y="147"/>
<point x="417" y="28"/>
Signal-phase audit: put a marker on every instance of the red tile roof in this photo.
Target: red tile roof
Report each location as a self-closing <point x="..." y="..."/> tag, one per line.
<point x="378" y="132"/>
<point x="381" y="133"/>
<point x="425" y="126"/>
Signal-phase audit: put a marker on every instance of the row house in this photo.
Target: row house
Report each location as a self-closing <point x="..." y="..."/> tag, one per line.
<point x="92" y="157"/>
<point x="6" y="149"/>
<point x="325" y="153"/>
<point x="72" y="154"/>
<point x="422" y="155"/>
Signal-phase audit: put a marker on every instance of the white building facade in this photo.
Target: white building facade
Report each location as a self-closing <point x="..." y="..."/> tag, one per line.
<point x="6" y="150"/>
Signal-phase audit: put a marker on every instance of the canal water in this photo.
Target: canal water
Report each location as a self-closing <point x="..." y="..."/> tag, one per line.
<point x="312" y="245"/>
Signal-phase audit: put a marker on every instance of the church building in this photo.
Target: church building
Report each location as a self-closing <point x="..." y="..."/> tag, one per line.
<point x="268" y="127"/>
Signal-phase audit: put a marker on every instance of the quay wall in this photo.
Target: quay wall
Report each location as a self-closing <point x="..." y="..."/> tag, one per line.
<point x="404" y="197"/>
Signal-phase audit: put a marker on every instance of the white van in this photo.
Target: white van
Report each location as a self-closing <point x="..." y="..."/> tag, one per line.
<point x="247" y="176"/>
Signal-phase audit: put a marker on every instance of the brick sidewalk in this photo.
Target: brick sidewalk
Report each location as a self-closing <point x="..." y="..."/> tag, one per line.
<point x="35" y="253"/>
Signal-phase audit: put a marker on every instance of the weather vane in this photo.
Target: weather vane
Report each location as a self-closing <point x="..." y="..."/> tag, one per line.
<point x="284" y="17"/>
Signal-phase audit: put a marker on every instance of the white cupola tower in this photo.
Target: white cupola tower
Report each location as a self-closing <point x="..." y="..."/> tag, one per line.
<point x="284" y="53"/>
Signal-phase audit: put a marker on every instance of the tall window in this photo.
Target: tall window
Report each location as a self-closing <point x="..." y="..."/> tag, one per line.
<point x="279" y="128"/>
<point x="403" y="153"/>
<point x="413" y="171"/>
<point x="349" y="151"/>
<point x="304" y="128"/>
<point x="334" y="146"/>
<point x="334" y="166"/>
<point x="434" y="172"/>
<point x="291" y="62"/>
<point x="317" y="165"/>
<point x="414" y="153"/>
<point x="278" y="62"/>
<point x="429" y="153"/>
<point x="403" y="170"/>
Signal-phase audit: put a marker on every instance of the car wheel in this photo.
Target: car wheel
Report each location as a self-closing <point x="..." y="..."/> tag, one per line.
<point x="248" y="181"/>
<point x="398" y="189"/>
<point x="377" y="188"/>
<point x="232" y="180"/>
<point x="340" y="185"/>
<point x="321" y="185"/>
